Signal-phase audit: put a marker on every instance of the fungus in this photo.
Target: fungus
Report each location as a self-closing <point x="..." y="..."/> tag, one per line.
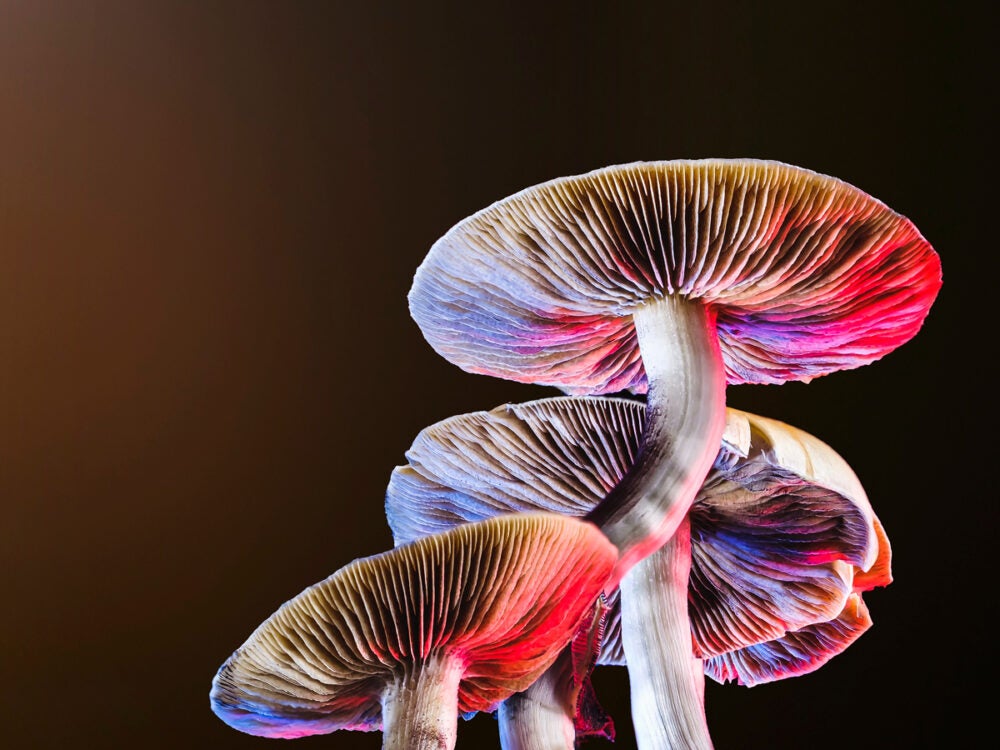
<point x="782" y="539"/>
<point x="406" y="640"/>
<point x="671" y="279"/>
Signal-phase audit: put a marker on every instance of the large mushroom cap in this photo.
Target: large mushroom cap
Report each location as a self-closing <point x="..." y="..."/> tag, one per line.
<point x="503" y="597"/>
<point x="808" y="274"/>
<point x="776" y="529"/>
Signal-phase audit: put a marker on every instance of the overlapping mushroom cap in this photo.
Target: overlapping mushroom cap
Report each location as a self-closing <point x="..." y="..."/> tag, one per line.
<point x="808" y="274"/>
<point x="500" y="597"/>
<point x="781" y="530"/>
<point x="805" y="650"/>
<point x="795" y="653"/>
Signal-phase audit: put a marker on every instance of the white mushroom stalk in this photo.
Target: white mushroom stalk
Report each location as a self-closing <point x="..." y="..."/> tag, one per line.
<point x="666" y="679"/>
<point x="551" y="713"/>
<point x="685" y="418"/>
<point x="542" y="716"/>
<point x="420" y="706"/>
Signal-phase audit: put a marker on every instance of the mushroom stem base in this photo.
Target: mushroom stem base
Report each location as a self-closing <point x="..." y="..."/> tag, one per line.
<point x="420" y="707"/>
<point x="542" y="716"/>
<point x="667" y="681"/>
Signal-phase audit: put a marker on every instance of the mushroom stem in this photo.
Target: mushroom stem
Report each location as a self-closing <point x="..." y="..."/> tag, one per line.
<point x="685" y="418"/>
<point x="420" y="707"/>
<point x="542" y="716"/>
<point x="667" y="681"/>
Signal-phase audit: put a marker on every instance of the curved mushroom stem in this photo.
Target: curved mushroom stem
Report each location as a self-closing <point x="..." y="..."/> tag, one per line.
<point x="647" y="511"/>
<point x="667" y="681"/>
<point x="420" y="708"/>
<point x="685" y="418"/>
<point x="550" y="712"/>
<point x="542" y="716"/>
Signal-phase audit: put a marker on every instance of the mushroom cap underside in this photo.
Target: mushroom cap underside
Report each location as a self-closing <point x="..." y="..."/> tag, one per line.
<point x="502" y="596"/>
<point x="807" y="274"/>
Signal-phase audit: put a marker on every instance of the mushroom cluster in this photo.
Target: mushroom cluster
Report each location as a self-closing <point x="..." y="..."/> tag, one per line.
<point x="668" y="534"/>
<point x="782" y="541"/>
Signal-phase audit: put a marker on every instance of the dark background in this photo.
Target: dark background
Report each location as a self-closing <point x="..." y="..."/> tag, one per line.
<point x="210" y="215"/>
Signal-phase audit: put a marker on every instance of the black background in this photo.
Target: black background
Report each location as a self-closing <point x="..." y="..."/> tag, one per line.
<point x="210" y="215"/>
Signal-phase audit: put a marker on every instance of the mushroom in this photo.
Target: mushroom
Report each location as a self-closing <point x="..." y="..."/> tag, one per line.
<point x="782" y="541"/>
<point x="406" y="640"/>
<point x="671" y="279"/>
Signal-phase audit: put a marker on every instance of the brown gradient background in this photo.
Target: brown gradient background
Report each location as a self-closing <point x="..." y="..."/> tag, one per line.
<point x="210" y="214"/>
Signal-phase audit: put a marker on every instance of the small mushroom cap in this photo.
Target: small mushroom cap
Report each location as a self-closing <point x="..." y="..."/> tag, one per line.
<point x="777" y="528"/>
<point x="808" y="274"/>
<point x="502" y="596"/>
